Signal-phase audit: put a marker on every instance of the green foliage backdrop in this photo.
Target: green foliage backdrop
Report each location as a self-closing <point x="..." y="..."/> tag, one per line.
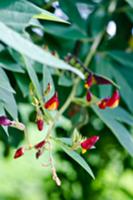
<point x="35" y="38"/>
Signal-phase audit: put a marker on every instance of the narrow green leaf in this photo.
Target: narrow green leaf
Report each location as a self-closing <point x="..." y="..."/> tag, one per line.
<point x="4" y="82"/>
<point x="9" y="103"/>
<point x="122" y="57"/>
<point x="48" y="16"/>
<point x="47" y="79"/>
<point x="75" y="156"/>
<point x="32" y="75"/>
<point x="117" y="128"/>
<point x="17" y="42"/>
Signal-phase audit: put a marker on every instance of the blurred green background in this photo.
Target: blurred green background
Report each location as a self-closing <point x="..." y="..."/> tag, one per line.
<point x="26" y="178"/>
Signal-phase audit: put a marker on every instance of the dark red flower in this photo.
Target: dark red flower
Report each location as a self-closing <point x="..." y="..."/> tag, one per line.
<point x="53" y="103"/>
<point x="5" y="121"/>
<point x="40" y="144"/>
<point x="89" y="143"/>
<point x="103" y="103"/>
<point x="40" y="124"/>
<point x="19" y="152"/>
<point x="111" y="102"/>
<point x="101" y="80"/>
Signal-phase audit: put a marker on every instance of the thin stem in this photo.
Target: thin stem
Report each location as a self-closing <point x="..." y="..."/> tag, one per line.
<point x="93" y="49"/>
<point x="27" y="138"/>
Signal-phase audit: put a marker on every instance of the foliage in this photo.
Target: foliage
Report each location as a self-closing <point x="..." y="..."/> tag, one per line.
<point x="42" y="55"/>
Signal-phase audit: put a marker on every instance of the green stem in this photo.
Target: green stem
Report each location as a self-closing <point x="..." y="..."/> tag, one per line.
<point x="93" y="49"/>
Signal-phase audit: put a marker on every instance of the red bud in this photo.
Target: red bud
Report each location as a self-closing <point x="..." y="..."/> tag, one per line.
<point x="38" y="153"/>
<point x="40" y="124"/>
<point x="40" y="144"/>
<point x="19" y="152"/>
<point x="88" y="96"/>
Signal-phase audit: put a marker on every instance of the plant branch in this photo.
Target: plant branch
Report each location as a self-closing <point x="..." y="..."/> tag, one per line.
<point x="93" y="48"/>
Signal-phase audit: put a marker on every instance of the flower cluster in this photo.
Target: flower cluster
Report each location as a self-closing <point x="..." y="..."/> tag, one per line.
<point x="112" y="101"/>
<point x="41" y="105"/>
<point x="39" y="147"/>
<point x="94" y="79"/>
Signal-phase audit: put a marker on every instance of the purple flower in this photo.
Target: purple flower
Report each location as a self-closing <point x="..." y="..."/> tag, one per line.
<point x="5" y="121"/>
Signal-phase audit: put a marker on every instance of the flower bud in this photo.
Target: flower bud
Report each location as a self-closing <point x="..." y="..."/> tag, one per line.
<point x="19" y="152"/>
<point x="40" y="144"/>
<point x="40" y="124"/>
<point x="5" y="121"/>
<point x="88" y="96"/>
<point x="38" y="153"/>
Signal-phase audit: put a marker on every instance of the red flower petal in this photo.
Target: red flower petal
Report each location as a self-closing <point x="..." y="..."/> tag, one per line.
<point x="114" y="100"/>
<point x="40" y="144"/>
<point x="53" y="103"/>
<point x="89" y="143"/>
<point x="19" y="152"/>
<point x="103" y="103"/>
<point x="100" y="80"/>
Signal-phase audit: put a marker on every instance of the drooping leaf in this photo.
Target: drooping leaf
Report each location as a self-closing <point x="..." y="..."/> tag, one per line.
<point x="75" y="156"/>
<point x="47" y="79"/>
<point x="9" y="103"/>
<point x="118" y="129"/>
<point x="17" y="42"/>
<point x="122" y="57"/>
<point x="17" y="14"/>
<point x="4" y="82"/>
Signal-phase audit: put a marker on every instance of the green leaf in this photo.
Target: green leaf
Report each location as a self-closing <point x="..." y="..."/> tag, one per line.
<point x="122" y="115"/>
<point x="130" y="2"/>
<point x="17" y="14"/>
<point x="8" y="63"/>
<point x="23" y="83"/>
<point x="2" y="112"/>
<point x="71" y="9"/>
<point x="122" y="57"/>
<point x="75" y="156"/>
<point x="4" y="82"/>
<point x="65" y="80"/>
<point x="9" y="103"/>
<point x="126" y="89"/>
<point x="68" y="32"/>
<point x="117" y="128"/>
<point x="48" y="16"/>
<point x="47" y="79"/>
<point x="17" y="42"/>
<point x="32" y="75"/>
